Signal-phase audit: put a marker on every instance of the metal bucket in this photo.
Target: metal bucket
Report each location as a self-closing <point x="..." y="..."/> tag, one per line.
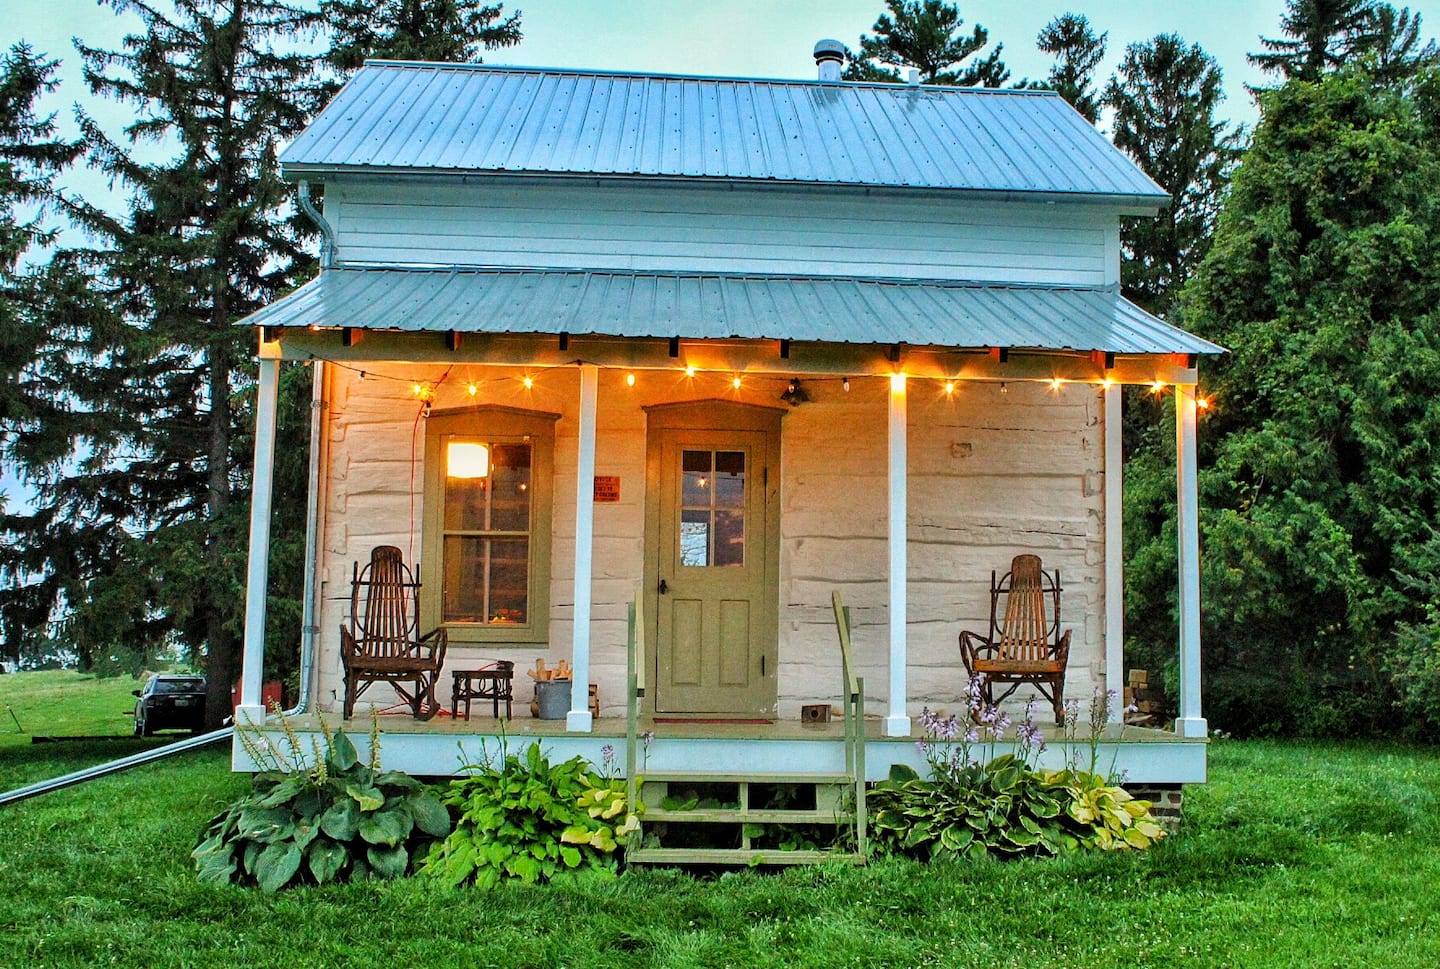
<point x="554" y="699"/>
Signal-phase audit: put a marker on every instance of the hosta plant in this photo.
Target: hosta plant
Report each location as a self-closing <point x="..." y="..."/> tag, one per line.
<point x="323" y="818"/>
<point x="528" y="819"/>
<point x="974" y="802"/>
<point x="1103" y="815"/>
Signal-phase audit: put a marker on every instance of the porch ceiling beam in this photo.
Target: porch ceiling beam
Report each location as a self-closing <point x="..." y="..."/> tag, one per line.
<point x="739" y="356"/>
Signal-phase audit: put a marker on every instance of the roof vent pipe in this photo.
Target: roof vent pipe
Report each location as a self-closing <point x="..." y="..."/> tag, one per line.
<point x="829" y="58"/>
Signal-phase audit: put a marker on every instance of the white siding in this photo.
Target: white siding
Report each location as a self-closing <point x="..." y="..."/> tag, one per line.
<point x="774" y="232"/>
<point x="991" y="475"/>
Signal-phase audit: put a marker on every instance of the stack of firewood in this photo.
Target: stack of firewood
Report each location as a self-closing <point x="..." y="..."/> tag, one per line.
<point x="1146" y="698"/>
<point x="561" y="672"/>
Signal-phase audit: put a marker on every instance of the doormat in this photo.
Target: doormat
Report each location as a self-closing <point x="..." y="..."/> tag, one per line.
<point x="761" y="720"/>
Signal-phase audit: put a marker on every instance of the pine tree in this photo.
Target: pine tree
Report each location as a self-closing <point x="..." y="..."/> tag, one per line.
<point x="1397" y="54"/>
<point x="416" y="30"/>
<point x="1320" y="35"/>
<point x="30" y="157"/>
<point x="1165" y="96"/>
<point x="1319" y="485"/>
<point x="139" y="532"/>
<point x="1077" y="50"/>
<point x="926" y="35"/>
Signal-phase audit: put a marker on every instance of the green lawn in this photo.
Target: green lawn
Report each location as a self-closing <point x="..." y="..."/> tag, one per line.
<point x="1294" y="855"/>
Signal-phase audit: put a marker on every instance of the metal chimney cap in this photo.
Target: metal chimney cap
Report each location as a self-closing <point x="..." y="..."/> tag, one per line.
<point x="829" y="50"/>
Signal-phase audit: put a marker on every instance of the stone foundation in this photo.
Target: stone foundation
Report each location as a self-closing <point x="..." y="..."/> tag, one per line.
<point x="1167" y="801"/>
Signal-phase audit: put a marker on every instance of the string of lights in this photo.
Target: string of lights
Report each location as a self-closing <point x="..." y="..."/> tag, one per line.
<point x="426" y="389"/>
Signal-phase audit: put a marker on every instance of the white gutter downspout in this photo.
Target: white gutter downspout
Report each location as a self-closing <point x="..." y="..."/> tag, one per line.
<point x="319" y="448"/>
<point x="897" y="723"/>
<point x="327" y="233"/>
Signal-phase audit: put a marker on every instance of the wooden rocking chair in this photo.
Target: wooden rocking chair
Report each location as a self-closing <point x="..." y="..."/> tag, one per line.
<point x="382" y="642"/>
<point x="1026" y="645"/>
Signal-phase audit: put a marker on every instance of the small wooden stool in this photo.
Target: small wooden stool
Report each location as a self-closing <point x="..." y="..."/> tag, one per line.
<point x="494" y="683"/>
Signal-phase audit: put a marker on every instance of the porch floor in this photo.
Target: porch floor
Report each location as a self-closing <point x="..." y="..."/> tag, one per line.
<point x="668" y="728"/>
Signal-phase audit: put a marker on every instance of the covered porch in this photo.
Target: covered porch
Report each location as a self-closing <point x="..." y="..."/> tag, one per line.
<point x="904" y="471"/>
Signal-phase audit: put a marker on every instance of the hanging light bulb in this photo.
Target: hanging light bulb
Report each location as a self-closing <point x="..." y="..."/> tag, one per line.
<point x="846" y="384"/>
<point x="689" y="371"/>
<point x="473" y="390"/>
<point x="528" y="381"/>
<point x="949" y="388"/>
<point x="1003" y="388"/>
<point x="629" y="380"/>
<point x="1055" y="383"/>
<point x="735" y="383"/>
<point x="1157" y="386"/>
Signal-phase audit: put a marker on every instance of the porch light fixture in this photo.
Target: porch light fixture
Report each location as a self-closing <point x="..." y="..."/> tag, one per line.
<point x="794" y="395"/>
<point x="467" y="460"/>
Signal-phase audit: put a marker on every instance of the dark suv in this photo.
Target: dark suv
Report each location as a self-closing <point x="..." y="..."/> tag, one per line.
<point x="170" y="703"/>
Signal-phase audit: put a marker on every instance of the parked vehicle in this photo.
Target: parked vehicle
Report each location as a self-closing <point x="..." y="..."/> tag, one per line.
<point x="170" y="702"/>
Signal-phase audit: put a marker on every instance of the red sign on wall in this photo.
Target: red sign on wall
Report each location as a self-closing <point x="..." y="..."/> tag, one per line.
<point x="607" y="488"/>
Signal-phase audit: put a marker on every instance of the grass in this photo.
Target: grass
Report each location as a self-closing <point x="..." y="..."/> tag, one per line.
<point x="1293" y="855"/>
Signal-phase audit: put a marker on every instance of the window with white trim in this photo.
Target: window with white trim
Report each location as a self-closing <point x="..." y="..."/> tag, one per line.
<point x="486" y="557"/>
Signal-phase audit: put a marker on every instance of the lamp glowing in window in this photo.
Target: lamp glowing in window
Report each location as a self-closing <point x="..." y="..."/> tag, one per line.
<point x="464" y="460"/>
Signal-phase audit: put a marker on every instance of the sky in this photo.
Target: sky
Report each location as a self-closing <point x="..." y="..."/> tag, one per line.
<point x="743" y="38"/>
<point x="750" y="38"/>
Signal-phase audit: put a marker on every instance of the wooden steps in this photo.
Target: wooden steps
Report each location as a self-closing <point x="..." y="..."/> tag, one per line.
<point x="706" y="818"/>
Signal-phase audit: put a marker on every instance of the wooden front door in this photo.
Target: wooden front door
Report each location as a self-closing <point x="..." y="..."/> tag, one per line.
<point x="714" y="547"/>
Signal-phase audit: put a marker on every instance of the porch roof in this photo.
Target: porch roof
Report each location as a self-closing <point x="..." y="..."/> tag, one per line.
<point x="662" y="305"/>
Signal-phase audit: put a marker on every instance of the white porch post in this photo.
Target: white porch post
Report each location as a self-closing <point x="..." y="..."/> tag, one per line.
<point x="1114" y="554"/>
<point x="897" y="723"/>
<point x="1190" y="723"/>
<point x="579" y="719"/>
<point x="252" y="709"/>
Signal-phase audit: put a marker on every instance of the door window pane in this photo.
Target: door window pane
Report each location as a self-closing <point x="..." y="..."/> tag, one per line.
<point x="694" y="538"/>
<point x="730" y="479"/>
<point x="729" y="538"/>
<point x="712" y="508"/>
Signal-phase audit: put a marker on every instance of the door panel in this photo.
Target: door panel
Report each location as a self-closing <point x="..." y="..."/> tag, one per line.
<point x="714" y="561"/>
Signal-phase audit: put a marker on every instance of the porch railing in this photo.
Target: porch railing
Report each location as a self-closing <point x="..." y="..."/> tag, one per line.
<point x="852" y="690"/>
<point x="634" y="692"/>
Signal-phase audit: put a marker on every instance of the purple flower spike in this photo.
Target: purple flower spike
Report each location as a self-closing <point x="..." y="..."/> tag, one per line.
<point x="607" y="753"/>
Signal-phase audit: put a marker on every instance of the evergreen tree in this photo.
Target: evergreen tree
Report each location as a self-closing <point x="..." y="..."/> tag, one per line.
<point x="415" y="30"/>
<point x="926" y="35"/>
<point x="1165" y="96"/>
<point x="30" y="157"/>
<point x="1319" y="487"/>
<point x="1397" y="55"/>
<point x="1077" y="50"/>
<point x="1322" y="35"/>
<point x="139" y="534"/>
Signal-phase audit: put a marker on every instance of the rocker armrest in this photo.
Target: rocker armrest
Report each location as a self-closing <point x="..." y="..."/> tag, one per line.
<point x="974" y="646"/>
<point x="438" y="640"/>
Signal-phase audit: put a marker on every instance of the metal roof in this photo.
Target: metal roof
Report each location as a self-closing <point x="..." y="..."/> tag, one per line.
<point x="465" y="118"/>
<point x="834" y="310"/>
